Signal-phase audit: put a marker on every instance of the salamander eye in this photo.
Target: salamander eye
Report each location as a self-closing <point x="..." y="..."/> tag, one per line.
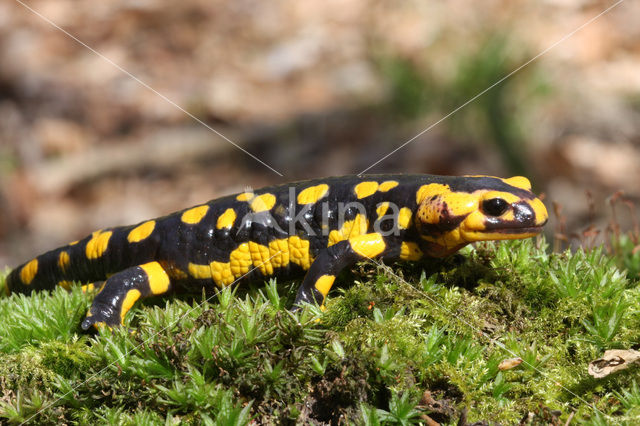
<point x="494" y="206"/>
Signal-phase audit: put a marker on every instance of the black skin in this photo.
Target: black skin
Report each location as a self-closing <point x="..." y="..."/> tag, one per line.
<point x="175" y="244"/>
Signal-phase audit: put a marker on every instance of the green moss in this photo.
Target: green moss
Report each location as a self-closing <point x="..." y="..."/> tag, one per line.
<point x="627" y="257"/>
<point x="402" y="341"/>
<point x="4" y="290"/>
<point x="40" y="317"/>
<point x="24" y="369"/>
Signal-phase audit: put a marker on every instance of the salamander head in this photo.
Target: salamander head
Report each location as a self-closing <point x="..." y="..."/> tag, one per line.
<point x="477" y="208"/>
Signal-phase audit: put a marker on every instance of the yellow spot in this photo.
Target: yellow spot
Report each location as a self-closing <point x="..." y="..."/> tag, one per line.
<point x="430" y="190"/>
<point x="92" y="287"/>
<point x="279" y="249"/>
<point x="349" y="229"/>
<point x="226" y="219"/>
<point x="260" y="258"/>
<point x="73" y="243"/>
<point x="313" y="194"/>
<point x="194" y="215"/>
<point x="245" y="196"/>
<point x="129" y="299"/>
<point x="404" y="218"/>
<point x="368" y="245"/>
<point x="29" y="271"/>
<point x="382" y="208"/>
<point x="240" y="260"/>
<point x="387" y="185"/>
<point x="410" y="251"/>
<point x="63" y="261"/>
<point x="221" y="273"/>
<point x="88" y="287"/>
<point x="263" y="202"/>
<point x="65" y="284"/>
<point x="98" y="244"/>
<point x="157" y="277"/>
<point x="519" y="182"/>
<point x="141" y="231"/>
<point x="299" y="252"/>
<point x="365" y="189"/>
<point x="200" y="272"/>
<point x="324" y="283"/>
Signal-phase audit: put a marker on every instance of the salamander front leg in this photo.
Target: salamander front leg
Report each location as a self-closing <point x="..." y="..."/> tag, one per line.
<point x="122" y="290"/>
<point x="331" y="261"/>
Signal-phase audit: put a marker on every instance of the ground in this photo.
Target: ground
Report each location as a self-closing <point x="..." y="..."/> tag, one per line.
<point x="397" y="344"/>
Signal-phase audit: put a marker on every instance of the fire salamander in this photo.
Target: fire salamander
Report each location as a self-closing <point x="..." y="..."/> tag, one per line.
<point x="316" y="226"/>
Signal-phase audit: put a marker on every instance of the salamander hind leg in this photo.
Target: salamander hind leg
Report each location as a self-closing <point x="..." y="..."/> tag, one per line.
<point x="331" y="261"/>
<point x="122" y="290"/>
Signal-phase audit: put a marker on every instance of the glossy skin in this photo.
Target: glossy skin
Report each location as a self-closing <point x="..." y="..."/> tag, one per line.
<point x="318" y="227"/>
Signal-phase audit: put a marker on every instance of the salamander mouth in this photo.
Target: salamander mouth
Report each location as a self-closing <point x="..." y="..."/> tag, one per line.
<point x="518" y="231"/>
<point x="501" y="233"/>
<point x="513" y="227"/>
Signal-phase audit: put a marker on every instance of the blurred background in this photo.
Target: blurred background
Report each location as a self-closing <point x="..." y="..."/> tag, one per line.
<point x="312" y="89"/>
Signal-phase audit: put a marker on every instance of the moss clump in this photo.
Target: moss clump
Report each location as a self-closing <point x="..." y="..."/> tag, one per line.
<point x="403" y="342"/>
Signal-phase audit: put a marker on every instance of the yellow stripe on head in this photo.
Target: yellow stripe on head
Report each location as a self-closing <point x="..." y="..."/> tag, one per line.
<point x="519" y="182"/>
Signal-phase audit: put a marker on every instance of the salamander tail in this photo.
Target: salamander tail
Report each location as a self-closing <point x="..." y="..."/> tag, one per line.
<point x="45" y="272"/>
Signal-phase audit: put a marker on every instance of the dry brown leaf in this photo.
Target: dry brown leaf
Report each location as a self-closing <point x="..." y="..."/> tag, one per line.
<point x="612" y="361"/>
